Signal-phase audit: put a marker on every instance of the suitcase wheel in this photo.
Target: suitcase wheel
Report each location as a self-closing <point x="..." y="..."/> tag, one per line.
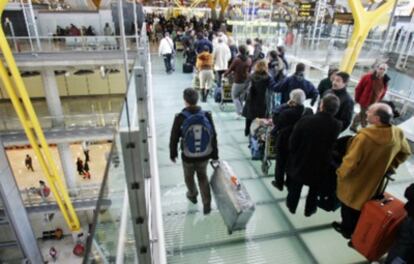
<point x="229" y="231"/>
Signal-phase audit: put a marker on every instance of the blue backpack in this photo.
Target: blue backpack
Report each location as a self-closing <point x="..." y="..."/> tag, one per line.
<point x="197" y="134"/>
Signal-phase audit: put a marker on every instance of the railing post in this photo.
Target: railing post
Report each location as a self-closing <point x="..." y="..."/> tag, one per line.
<point x="135" y="151"/>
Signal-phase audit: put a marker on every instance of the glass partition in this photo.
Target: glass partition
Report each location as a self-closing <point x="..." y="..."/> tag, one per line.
<point x="129" y="229"/>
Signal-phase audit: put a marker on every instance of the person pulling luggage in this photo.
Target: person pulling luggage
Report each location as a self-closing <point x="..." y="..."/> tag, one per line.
<point x="195" y="128"/>
<point x="373" y="152"/>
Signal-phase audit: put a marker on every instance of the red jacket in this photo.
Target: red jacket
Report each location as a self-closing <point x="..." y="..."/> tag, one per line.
<point x="363" y="90"/>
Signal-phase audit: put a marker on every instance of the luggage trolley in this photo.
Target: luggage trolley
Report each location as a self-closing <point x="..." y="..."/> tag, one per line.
<point x="225" y="93"/>
<point x="269" y="151"/>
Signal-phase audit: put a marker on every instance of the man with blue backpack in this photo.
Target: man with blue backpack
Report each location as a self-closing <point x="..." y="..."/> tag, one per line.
<point x="198" y="144"/>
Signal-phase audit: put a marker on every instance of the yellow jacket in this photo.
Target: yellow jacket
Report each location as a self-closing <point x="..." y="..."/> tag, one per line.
<point x="371" y="153"/>
<point x="204" y="61"/>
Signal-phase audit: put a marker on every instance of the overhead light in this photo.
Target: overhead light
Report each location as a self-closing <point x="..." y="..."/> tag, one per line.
<point x="83" y="72"/>
<point x="102" y="72"/>
<point x="30" y="73"/>
<point x="112" y="71"/>
<point x="61" y="72"/>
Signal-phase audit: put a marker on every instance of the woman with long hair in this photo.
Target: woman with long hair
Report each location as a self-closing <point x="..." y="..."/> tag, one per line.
<point x="259" y="84"/>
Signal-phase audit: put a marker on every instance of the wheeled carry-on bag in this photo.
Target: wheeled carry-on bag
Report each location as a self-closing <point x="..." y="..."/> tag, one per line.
<point x="187" y="68"/>
<point x="377" y="226"/>
<point x="232" y="199"/>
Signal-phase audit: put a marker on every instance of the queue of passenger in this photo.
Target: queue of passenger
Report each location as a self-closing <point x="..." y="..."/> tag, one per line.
<point x="309" y="149"/>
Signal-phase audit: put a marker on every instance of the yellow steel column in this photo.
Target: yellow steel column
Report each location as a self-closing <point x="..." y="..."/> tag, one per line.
<point x="363" y="22"/>
<point x="15" y="87"/>
<point x="212" y="4"/>
<point x="223" y="4"/>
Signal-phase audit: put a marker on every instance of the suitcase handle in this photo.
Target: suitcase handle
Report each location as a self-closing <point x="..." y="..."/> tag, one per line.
<point x="214" y="163"/>
<point x="386" y="200"/>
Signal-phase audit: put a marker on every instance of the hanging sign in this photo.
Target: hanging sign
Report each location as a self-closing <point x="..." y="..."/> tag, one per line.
<point x="306" y="9"/>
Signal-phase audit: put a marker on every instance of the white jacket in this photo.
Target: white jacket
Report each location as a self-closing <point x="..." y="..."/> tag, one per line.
<point x="221" y="56"/>
<point x="166" y="46"/>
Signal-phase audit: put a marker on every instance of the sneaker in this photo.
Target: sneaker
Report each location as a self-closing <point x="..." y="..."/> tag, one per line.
<point x="192" y="199"/>
<point x="206" y="210"/>
<point x="278" y="185"/>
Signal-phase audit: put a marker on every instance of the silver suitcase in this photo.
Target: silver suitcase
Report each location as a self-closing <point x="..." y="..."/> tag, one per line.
<point x="232" y="199"/>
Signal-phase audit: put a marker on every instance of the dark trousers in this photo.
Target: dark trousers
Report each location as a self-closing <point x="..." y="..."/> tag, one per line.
<point x="281" y="163"/>
<point x="167" y="62"/>
<point x="293" y="197"/>
<point x="219" y="75"/>
<point x="247" y="126"/>
<point x="350" y="218"/>
<point x="199" y="168"/>
<point x="86" y="152"/>
<point x="403" y="248"/>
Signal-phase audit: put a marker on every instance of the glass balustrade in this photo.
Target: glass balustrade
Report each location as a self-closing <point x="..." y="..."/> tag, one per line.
<point x="71" y="43"/>
<point x="66" y="121"/>
<point x="130" y="182"/>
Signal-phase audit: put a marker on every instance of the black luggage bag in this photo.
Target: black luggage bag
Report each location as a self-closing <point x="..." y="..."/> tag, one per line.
<point x="187" y="68"/>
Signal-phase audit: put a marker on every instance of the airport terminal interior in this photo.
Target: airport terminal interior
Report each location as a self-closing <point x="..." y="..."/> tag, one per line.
<point x="89" y="93"/>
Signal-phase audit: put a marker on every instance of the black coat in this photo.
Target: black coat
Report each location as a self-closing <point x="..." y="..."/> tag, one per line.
<point x="346" y="107"/>
<point x="176" y="135"/>
<point x="284" y="120"/>
<point x="255" y="106"/>
<point x="409" y="206"/>
<point x="310" y="148"/>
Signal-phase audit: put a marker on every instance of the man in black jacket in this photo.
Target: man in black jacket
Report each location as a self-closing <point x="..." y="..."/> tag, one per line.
<point x="192" y="165"/>
<point x="346" y="107"/>
<point x="403" y="248"/>
<point x="284" y="120"/>
<point x="310" y="153"/>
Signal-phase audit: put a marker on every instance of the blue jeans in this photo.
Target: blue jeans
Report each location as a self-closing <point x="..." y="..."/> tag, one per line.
<point x="402" y="250"/>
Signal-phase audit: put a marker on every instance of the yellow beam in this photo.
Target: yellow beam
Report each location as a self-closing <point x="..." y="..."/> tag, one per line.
<point x="19" y="97"/>
<point x="223" y="4"/>
<point x="212" y="4"/>
<point x="364" y="21"/>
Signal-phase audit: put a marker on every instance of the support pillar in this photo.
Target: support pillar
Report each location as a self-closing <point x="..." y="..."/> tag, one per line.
<point x="364" y="21"/>
<point x="16" y="212"/>
<point x="55" y="109"/>
<point x="68" y="167"/>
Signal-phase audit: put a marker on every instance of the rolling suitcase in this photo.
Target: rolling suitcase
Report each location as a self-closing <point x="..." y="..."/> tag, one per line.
<point x="187" y="68"/>
<point x="377" y="226"/>
<point x="232" y="199"/>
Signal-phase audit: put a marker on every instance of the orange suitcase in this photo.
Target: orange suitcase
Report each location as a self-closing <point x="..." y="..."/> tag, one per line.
<point x="377" y="226"/>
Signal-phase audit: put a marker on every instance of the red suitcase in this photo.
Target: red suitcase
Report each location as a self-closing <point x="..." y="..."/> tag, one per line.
<point x="378" y="226"/>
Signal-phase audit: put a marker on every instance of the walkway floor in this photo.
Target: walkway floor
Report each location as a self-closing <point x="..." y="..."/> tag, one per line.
<point x="273" y="235"/>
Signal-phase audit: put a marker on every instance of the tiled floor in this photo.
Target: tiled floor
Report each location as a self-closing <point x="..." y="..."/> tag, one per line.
<point x="27" y="179"/>
<point x="273" y="235"/>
